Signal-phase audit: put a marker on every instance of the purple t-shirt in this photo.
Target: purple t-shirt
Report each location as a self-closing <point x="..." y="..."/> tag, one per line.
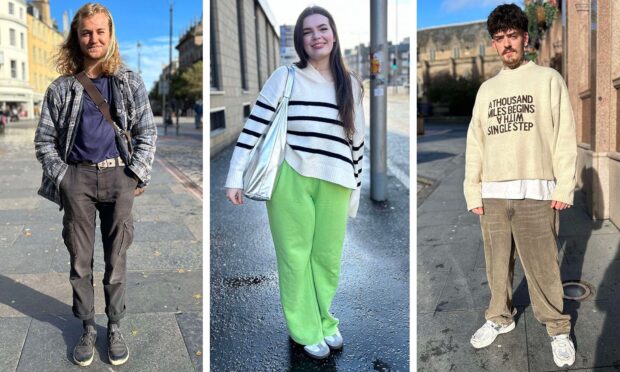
<point x="94" y="139"/>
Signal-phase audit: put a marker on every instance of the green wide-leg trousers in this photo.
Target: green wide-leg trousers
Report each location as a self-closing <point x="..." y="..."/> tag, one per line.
<point x="308" y="217"/>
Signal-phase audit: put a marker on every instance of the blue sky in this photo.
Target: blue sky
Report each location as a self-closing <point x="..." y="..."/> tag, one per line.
<point x="146" y="21"/>
<point x="443" y="12"/>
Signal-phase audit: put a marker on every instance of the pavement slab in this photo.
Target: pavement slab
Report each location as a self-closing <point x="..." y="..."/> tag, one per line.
<point x="50" y="343"/>
<point x="443" y="344"/>
<point x="12" y="336"/>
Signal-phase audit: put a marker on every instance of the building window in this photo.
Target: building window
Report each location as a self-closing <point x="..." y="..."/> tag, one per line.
<point x="12" y="37"/>
<point x="21" y="40"/>
<point x="241" y="33"/>
<point x="214" y="81"/>
<point x="11" y="8"/>
<point x="218" y="120"/>
<point x="432" y="55"/>
<point x="13" y="69"/>
<point x="456" y="52"/>
<point x="21" y="13"/>
<point x="23" y="71"/>
<point x="482" y="49"/>
<point x="246" y="111"/>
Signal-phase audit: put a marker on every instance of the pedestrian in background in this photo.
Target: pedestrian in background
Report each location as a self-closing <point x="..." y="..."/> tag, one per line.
<point x="519" y="173"/>
<point x="85" y="169"/>
<point x="319" y="182"/>
<point x="198" y="114"/>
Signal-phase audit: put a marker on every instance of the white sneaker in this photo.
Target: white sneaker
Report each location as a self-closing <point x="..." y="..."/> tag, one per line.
<point x="334" y="341"/>
<point x="488" y="332"/>
<point x="563" y="350"/>
<point x="317" y="351"/>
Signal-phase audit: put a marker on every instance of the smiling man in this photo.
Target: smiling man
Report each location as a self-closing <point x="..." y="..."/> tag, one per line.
<point x="519" y="173"/>
<point x="89" y="167"/>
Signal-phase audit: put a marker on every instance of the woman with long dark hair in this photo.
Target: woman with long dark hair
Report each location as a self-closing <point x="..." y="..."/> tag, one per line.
<point x="319" y="182"/>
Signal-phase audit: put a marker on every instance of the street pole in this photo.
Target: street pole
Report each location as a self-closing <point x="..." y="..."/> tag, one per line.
<point x="139" y="69"/>
<point x="396" y="47"/>
<point x="379" y="68"/>
<point x="170" y="72"/>
<point x="164" y="91"/>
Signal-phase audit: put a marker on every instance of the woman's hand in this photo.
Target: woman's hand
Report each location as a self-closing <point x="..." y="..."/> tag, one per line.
<point x="235" y="196"/>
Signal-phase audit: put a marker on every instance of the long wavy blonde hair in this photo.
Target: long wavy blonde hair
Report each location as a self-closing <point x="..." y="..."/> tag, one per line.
<point x="70" y="60"/>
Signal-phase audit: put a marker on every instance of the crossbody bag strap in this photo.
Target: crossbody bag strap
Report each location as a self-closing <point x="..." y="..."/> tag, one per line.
<point x="289" y="82"/>
<point x="97" y="98"/>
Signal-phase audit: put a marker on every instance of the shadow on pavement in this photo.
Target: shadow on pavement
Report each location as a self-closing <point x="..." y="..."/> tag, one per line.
<point x="424" y="156"/>
<point x="300" y="362"/>
<point x="44" y="308"/>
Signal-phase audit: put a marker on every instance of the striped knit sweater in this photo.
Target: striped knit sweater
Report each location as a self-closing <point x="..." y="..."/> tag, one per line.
<point x="316" y="143"/>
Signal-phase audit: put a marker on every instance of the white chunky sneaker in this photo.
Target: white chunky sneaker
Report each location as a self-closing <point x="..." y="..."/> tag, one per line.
<point x="486" y="334"/>
<point x="563" y="350"/>
<point x="334" y="341"/>
<point x="317" y="351"/>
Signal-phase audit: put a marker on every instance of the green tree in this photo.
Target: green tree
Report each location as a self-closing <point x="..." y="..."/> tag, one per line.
<point x="187" y="83"/>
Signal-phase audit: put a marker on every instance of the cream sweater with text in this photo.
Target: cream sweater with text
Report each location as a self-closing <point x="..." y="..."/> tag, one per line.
<point x="522" y="127"/>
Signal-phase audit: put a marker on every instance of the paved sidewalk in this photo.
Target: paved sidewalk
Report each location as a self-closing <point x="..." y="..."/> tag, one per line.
<point x="163" y="326"/>
<point x="453" y="291"/>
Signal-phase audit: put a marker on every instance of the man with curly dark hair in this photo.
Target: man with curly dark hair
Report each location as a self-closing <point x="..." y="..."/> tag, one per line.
<point x="519" y="173"/>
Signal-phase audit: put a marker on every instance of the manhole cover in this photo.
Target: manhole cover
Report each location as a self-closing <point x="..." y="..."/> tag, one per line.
<point x="577" y="290"/>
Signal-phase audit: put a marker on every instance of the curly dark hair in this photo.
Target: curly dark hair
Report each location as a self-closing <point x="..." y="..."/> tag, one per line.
<point x="506" y="17"/>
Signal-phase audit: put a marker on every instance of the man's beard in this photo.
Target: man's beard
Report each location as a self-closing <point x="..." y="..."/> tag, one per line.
<point x="513" y="63"/>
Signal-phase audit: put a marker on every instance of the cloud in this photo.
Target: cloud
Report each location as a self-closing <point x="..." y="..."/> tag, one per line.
<point x="154" y="55"/>
<point x="452" y="6"/>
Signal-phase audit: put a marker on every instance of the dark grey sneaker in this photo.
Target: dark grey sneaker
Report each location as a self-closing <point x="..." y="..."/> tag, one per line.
<point x="84" y="351"/>
<point x="117" y="348"/>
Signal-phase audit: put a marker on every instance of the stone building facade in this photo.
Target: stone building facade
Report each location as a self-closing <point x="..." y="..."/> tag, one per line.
<point x="43" y="41"/>
<point x="15" y="92"/>
<point x="588" y="32"/>
<point x="244" y="51"/>
<point x="190" y="46"/>
<point x="459" y="50"/>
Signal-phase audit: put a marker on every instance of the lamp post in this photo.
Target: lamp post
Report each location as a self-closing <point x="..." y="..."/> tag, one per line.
<point x="168" y="118"/>
<point x="139" y="69"/>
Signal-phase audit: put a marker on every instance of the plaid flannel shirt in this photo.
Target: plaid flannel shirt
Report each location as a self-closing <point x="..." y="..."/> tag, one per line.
<point x="61" y="111"/>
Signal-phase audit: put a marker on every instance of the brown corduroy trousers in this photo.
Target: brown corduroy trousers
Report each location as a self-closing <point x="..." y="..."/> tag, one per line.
<point x="528" y="228"/>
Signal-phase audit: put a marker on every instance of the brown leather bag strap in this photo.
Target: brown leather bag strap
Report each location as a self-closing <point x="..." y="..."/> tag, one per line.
<point x="97" y="98"/>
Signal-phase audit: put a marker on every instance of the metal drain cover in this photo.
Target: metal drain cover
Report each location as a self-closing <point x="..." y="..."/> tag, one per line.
<point x="577" y="290"/>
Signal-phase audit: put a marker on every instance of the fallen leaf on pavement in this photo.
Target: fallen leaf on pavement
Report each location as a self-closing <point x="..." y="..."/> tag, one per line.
<point x="199" y="353"/>
<point x="134" y="332"/>
<point x="197" y="296"/>
<point x="181" y="270"/>
<point x="157" y="254"/>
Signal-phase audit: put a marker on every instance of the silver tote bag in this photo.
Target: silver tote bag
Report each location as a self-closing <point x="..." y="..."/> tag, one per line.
<point x="265" y="158"/>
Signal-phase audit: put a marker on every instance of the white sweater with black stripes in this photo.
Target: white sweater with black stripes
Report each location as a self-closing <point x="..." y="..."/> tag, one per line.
<point x="316" y="143"/>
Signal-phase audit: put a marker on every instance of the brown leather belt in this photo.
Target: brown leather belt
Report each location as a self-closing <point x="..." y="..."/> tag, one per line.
<point x="108" y="163"/>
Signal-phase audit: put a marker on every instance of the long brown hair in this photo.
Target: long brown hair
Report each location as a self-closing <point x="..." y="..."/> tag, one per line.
<point x="342" y="76"/>
<point x="69" y="59"/>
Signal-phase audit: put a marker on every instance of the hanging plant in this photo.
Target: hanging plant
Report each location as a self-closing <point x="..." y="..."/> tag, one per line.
<point x="541" y="16"/>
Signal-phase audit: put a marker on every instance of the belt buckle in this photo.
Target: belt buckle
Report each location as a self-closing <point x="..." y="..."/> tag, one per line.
<point x="102" y="164"/>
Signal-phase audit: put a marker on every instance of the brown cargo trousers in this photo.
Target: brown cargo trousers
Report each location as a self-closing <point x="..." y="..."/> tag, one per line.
<point x="530" y="228"/>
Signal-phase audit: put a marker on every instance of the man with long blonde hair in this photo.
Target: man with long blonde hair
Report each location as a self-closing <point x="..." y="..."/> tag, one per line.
<point x="89" y="166"/>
